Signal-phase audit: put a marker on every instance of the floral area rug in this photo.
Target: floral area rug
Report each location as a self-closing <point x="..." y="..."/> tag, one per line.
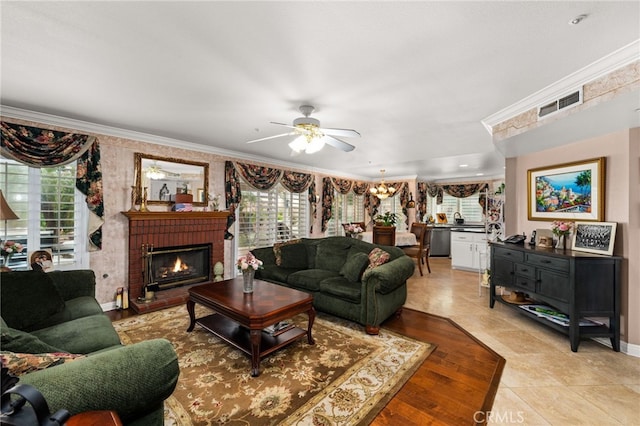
<point x="346" y="378"/>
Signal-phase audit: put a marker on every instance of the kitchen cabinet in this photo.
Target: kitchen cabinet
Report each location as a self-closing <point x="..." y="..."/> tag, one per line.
<point x="468" y="249"/>
<point x="580" y="285"/>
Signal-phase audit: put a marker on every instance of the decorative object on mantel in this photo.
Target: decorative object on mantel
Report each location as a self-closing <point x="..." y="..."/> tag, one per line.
<point x="382" y="191"/>
<point x="134" y="197"/>
<point x="561" y="229"/>
<point x="215" y="201"/>
<point x="248" y="265"/>
<point x="143" y="203"/>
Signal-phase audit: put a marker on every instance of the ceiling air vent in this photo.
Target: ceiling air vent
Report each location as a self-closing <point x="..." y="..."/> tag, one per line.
<point x="570" y="100"/>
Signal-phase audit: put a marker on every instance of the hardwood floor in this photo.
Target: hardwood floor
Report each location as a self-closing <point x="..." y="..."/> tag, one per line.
<point x="455" y="385"/>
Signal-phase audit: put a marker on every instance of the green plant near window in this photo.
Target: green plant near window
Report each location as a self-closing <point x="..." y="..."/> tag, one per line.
<point x="387" y="219"/>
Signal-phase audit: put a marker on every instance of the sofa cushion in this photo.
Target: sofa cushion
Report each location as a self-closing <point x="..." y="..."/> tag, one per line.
<point x="82" y="335"/>
<point x="275" y="273"/>
<point x="265" y="254"/>
<point x="331" y="255"/>
<point x="20" y="341"/>
<point x="22" y="363"/>
<point x="341" y="288"/>
<point x="79" y="307"/>
<point x="294" y="256"/>
<point x="354" y="267"/>
<point x="277" y="249"/>
<point x="42" y="302"/>
<point x="377" y="257"/>
<point x="309" y="279"/>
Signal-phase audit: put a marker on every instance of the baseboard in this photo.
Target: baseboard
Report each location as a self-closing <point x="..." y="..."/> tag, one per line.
<point x="626" y="348"/>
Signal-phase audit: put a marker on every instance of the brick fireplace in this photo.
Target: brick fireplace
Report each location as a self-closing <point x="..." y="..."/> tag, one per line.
<point x="170" y="229"/>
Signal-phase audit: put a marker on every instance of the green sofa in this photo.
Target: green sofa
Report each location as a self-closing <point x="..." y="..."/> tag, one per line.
<point x="335" y="270"/>
<point x="49" y="313"/>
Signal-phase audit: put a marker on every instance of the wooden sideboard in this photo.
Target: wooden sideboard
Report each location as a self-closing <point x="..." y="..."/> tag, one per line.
<point x="575" y="283"/>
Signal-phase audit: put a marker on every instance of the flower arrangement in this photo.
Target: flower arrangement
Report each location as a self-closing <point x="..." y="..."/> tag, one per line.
<point x="215" y="201"/>
<point x="353" y="229"/>
<point x="561" y="228"/>
<point x="248" y="262"/>
<point x="9" y="248"/>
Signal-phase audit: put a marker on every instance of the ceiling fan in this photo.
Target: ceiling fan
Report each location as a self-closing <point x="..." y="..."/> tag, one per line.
<point x="310" y="136"/>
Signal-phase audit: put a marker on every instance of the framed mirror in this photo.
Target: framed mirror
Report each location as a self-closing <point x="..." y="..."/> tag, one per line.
<point x="165" y="177"/>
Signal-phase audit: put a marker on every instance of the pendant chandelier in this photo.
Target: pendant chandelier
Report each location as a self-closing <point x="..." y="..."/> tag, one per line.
<point x="382" y="191"/>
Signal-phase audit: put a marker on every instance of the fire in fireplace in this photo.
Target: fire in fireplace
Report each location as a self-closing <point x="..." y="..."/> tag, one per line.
<point x="175" y="266"/>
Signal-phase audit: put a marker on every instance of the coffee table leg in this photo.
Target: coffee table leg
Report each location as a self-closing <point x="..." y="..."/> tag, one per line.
<point x="192" y="314"/>
<point x="312" y="316"/>
<point x="256" y="336"/>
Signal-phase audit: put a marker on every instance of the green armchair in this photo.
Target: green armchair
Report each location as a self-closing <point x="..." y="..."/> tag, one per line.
<point x="49" y="313"/>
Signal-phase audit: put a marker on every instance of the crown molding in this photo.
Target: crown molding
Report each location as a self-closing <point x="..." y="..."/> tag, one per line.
<point x="615" y="60"/>
<point x="100" y="129"/>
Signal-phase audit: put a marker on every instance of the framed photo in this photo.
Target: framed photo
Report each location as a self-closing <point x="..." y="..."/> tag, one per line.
<point x="594" y="237"/>
<point x="41" y="260"/>
<point x="571" y="191"/>
<point x="544" y="238"/>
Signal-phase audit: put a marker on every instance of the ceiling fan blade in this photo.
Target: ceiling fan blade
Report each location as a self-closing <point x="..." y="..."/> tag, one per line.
<point x="283" y="124"/>
<point x="272" y="137"/>
<point x="337" y="143"/>
<point x="347" y="133"/>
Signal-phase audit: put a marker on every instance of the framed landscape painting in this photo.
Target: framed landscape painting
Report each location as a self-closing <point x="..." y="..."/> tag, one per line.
<point x="594" y="237"/>
<point x="571" y="191"/>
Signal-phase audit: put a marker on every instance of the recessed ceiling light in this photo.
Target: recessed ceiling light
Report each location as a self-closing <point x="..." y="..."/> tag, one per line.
<point x="479" y="174"/>
<point x="577" y="19"/>
<point x="464" y="165"/>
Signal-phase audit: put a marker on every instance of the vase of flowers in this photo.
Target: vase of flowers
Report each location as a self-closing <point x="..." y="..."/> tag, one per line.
<point x="561" y="229"/>
<point x="7" y="250"/>
<point x="353" y="230"/>
<point x="248" y="265"/>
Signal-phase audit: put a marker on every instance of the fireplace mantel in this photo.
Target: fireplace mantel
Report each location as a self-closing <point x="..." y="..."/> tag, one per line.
<point x="167" y="229"/>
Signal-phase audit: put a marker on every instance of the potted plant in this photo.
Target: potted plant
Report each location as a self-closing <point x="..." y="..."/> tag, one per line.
<point x="387" y="219"/>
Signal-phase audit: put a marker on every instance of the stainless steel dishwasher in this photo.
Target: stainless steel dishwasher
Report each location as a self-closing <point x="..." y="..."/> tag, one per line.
<point x="441" y="240"/>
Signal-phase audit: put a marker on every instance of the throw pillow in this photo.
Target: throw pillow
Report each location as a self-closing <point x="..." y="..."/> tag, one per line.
<point x="354" y="267"/>
<point x="20" y="363"/>
<point x="294" y="256"/>
<point x="28" y="298"/>
<point x="277" y="249"/>
<point x="377" y="257"/>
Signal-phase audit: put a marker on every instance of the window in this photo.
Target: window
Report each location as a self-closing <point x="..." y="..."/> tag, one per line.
<point x="266" y="217"/>
<point x="51" y="211"/>
<point x="468" y="207"/>
<point x="346" y="208"/>
<point x="392" y="204"/>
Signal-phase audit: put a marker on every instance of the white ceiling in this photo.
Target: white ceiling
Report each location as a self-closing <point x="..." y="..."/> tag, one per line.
<point x="414" y="78"/>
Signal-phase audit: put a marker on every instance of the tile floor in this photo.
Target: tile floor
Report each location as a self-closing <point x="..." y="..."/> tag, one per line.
<point x="543" y="382"/>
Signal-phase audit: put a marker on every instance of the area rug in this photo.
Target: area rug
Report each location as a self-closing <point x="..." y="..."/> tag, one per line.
<point x="346" y="378"/>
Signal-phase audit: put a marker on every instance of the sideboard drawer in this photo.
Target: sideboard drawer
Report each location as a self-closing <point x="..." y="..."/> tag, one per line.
<point x="514" y="255"/>
<point x="525" y="283"/>
<point x="525" y="270"/>
<point x="560" y="264"/>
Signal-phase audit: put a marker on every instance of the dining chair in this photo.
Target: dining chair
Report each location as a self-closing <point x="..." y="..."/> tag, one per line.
<point x="384" y="235"/>
<point x="420" y="251"/>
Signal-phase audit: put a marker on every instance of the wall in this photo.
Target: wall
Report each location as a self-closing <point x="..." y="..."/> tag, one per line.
<point x="622" y="152"/>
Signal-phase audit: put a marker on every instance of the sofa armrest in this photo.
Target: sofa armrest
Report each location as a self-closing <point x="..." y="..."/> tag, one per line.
<point x="389" y="276"/>
<point x="132" y="380"/>
<point x="75" y="283"/>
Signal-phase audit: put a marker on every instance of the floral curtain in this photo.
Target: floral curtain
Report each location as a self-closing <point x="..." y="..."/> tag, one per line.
<point x="313" y="201"/>
<point x="463" y="191"/>
<point x="342" y="185"/>
<point x="259" y="177"/>
<point x="360" y="188"/>
<point x="404" y="199"/>
<point x="295" y="181"/>
<point x="371" y="204"/>
<point x="327" y="201"/>
<point x="38" y="147"/>
<point x="232" y="195"/>
<point x="421" y="202"/>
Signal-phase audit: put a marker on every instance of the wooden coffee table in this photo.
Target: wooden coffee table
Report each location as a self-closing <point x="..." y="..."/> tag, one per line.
<point x="240" y="318"/>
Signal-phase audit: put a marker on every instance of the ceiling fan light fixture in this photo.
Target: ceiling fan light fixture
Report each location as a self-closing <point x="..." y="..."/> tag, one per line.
<point x="154" y="172"/>
<point x="315" y="145"/>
